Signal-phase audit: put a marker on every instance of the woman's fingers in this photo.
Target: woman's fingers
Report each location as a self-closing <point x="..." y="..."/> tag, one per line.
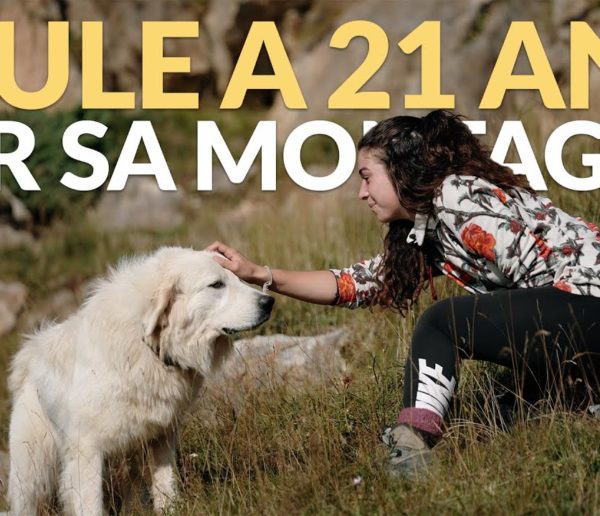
<point x="225" y="250"/>
<point x="232" y="260"/>
<point x="223" y="262"/>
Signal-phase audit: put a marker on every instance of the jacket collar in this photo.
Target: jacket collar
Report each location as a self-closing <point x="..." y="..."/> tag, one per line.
<point x="423" y="223"/>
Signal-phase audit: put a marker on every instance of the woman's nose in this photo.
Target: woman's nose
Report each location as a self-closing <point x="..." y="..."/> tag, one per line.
<point x="363" y="192"/>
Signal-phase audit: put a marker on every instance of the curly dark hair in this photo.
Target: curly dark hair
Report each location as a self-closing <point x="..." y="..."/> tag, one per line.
<point x="419" y="154"/>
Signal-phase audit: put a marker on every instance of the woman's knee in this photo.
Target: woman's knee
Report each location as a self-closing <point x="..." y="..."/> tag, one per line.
<point x="435" y="319"/>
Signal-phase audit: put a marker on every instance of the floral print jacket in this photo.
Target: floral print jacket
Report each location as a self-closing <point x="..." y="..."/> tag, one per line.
<point x="487" y="238"/>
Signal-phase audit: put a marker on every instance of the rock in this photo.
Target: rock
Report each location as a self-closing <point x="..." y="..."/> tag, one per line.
<point x="141" y="205"/>
<point x="12" y="300"/>
<point x="472" y="37"/>
<point x="123" y="41"/>
<point x="11" y="238"/>
<point x="19" y="214"/>
<point x="14" y="218"/>
<point x="227" y="24"/>
<point x="223" y="28"/>
<point x="57" y="307"/>
<point x="286" y="359"/>
<point x="31" y="47"/>
<point x="566" y="10"/>
<point x="322" y="69"/>
<point x="268" y="362"/>
<point x="219" y="20"/>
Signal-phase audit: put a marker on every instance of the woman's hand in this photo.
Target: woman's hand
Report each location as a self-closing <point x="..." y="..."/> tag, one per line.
<point x="318" y="287"/>
<point x="237" y="263"/>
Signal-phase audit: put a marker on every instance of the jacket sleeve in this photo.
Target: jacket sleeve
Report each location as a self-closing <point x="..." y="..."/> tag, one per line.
<point x="357" y="284"/>
<point x="483" y="227"/>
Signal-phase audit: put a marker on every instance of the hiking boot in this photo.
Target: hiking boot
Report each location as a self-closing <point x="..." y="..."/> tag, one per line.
<point x="409" y="453"/>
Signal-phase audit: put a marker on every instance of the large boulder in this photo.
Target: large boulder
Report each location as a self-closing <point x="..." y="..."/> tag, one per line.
<point x="275" y="361"/>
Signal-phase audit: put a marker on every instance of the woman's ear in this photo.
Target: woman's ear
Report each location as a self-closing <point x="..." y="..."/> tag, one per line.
<point x="156" y="316"/>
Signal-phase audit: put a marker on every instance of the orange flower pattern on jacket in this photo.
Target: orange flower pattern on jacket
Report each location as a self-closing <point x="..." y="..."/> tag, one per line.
<point x="592" y="227"/>
<point x="544" y="249"/>
<point x="563" y="285"/>
<point x="479" y="241"/>
<point x="357" y="285"/>
<point x="346" y="288"/>
<point x="500" y="194"/>
<point x="457" y="275"/>
<point x="526" y="242"/>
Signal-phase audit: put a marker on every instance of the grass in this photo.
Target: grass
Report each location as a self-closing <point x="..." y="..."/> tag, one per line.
<point x="316" y="453"/>
<point x="316" y="450"/>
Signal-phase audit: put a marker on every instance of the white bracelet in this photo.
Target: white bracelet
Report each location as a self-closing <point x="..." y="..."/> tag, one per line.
<point x="269" y="281"/>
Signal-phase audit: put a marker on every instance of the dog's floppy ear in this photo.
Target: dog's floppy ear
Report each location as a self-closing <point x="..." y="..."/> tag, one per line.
<point x="156" y="314"/>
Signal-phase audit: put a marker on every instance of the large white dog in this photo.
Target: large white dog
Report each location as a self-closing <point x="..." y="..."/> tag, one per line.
<point x="118" y="373"/>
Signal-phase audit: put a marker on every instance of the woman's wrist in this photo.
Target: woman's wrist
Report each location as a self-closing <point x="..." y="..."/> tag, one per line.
<point x="261" y="275"/>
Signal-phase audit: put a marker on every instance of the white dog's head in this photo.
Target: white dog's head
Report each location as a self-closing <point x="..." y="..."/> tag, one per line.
<point x="196" y="303"/>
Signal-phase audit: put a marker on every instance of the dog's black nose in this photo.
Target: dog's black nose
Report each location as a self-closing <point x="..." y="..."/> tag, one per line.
<point x="266" y="303"/>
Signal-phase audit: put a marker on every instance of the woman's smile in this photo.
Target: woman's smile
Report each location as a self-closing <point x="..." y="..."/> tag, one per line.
<point x="377" y="190"/>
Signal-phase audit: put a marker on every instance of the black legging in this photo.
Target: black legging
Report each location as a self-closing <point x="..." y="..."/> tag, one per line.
<point x="545" y="335"/>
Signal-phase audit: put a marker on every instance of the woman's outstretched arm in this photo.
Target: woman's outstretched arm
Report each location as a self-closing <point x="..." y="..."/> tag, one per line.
<point x="319" y="287"/>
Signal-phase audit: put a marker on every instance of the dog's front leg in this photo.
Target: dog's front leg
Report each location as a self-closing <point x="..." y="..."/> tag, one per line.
<point x="161" y="458"/>
<point x="81" y="482"/>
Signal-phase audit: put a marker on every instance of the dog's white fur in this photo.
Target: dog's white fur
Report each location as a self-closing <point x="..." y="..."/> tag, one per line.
<point x="118" y="373"/>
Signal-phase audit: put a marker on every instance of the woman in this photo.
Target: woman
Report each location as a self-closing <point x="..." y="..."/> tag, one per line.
<point x="533" y="269"/>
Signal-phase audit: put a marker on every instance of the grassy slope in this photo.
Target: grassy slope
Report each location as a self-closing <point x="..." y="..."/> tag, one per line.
<point x="299" y="452"/>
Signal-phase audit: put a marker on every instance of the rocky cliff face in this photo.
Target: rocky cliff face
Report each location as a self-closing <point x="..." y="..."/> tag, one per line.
<point x="472" y="35"/>
<point x="223" y="28"/>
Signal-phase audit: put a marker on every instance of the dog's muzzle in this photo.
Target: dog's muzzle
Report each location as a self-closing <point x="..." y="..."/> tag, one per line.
<point x="265" y="305"/>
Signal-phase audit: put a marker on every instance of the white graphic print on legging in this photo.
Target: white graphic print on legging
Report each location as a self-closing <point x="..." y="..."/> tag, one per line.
<point x="435" y="390"/>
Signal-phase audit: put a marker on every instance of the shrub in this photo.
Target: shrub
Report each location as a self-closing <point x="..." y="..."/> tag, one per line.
<point x="48" y="162"/>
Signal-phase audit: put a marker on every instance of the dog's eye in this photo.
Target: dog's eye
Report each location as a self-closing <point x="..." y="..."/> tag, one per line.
<point x="217" y="284"/>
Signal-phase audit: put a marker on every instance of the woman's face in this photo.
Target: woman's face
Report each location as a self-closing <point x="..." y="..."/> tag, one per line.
<point x="377" y="189"/>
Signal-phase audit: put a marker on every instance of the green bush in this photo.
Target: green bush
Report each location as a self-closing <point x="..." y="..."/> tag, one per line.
<point x="48" y="162"/>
